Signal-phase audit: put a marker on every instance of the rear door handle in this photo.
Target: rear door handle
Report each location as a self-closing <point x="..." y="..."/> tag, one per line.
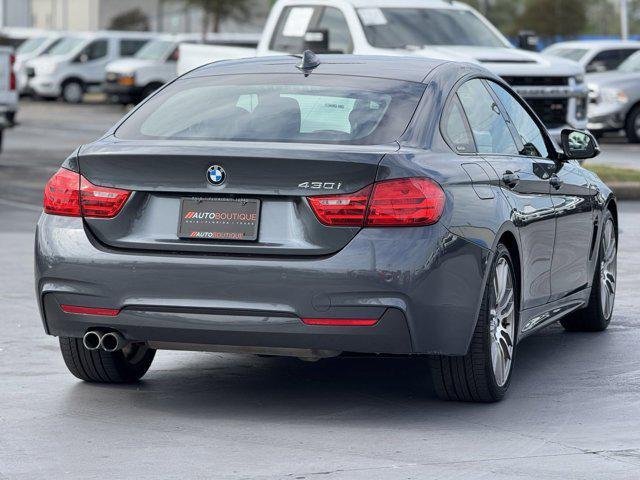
<point x="556" y="182"/>
<point x="511" y="179"/>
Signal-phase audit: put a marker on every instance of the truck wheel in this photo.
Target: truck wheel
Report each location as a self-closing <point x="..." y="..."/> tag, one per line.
<point x="125" y="366"/>
<point x="1" y="138"/>
<point x="597" y="314"/>
<point x="484" y="373"/>
<point x="149" y="90"/>
<point x="72" y="91"/>
<point x="633" y="125"/>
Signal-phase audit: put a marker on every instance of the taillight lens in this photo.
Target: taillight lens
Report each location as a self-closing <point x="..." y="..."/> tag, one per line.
<point x="69" y="194"/>
<point x="404" y="202"/>
<point x="342" y="210"/>
<point x="62" y="194"/>
<point x="407" y="202"/>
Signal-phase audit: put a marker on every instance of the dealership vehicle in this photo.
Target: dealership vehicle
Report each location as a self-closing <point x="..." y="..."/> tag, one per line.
<point x="33" y="48"/>
<point x="76" y="64"/>
<point x="314" y="206"/>
<point x="595" y="55"/>
<point x="433" y="28"/>
<point x="129" y="80"/>
<point x="8" y="92"/>
<point x="615" y="100"/>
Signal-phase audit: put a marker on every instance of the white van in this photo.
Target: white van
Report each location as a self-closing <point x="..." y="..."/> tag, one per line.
<point x="8" y="93"/>
<point x="76" y="64"/>
<point x="130" y="80"/>
<point x="32" y="48"/>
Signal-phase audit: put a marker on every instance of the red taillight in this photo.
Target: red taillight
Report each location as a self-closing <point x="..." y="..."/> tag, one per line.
<point x="69" y="194"/>
<point x="12" y="73"/>
<point x="342" y="210"/>
<point x="408" y="202"/>
<point x="62" y="194"/>
<point x="102" y="312"/>
<point x="341" y="322"/>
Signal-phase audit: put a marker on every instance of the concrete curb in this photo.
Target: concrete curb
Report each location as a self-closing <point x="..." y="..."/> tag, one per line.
<point x="625" y="190"/>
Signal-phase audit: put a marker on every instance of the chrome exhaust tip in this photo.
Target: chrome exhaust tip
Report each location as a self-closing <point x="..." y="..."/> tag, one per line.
<point x="112" y="342"/>
<point x="92" y="340"/>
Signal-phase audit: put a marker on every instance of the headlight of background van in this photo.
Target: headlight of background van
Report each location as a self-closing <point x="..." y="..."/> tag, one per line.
<point x="607" y="95"/>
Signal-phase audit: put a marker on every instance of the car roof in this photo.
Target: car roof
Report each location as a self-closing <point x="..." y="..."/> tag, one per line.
<point x="409" y="69"/>
<point x="597" y="44"/>
<point x="387" y="3"/>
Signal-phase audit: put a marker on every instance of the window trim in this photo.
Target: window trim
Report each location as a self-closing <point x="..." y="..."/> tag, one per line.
<point x="452" y="100"/>
<point x="551" y="148"/>
<point x="454" y="92"/>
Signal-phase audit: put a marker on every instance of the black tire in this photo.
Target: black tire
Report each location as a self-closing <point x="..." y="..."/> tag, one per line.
<point x="72" y="91"/>
<point x="471" y="378"/>
<point x="99" y="366"/>
<point x="633" y="135"/>
<point x="592" y="318"/>
<point x="149" y="90"/>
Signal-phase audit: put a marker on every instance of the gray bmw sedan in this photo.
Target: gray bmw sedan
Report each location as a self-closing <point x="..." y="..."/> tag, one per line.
<point x="319" y="205"/>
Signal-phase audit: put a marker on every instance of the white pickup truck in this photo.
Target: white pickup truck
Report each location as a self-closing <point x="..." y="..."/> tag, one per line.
<point x="444" y="29"/>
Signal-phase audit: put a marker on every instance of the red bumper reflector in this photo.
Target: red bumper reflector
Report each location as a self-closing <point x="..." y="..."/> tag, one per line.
<point x="341" y="322"/>
<point x="103" y="312"/>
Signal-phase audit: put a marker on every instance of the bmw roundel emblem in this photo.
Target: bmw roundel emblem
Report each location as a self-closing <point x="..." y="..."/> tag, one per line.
<point x="216" y="175"/>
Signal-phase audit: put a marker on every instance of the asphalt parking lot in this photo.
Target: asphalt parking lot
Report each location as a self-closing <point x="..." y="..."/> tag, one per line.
<point x="573" y="411"/>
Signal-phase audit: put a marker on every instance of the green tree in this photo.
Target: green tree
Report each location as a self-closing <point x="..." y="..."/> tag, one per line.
<point x="134" y="19"/>
<point x="502" y="13"/>
<point x="215" y="11"/>
<point x="549" y="18"/>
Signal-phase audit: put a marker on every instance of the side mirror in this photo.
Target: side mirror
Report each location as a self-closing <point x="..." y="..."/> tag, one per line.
<point x="82" y="58"/>
<point x="579" y="145"/>
<point x="528" y="40"/>
<point x="317" y="41"/>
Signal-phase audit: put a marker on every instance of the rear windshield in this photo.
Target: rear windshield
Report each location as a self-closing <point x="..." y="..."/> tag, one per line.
<point x="277" y="108"/>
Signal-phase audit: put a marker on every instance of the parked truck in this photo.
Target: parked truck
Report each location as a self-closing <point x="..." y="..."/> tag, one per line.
<point x="554" y="87"/>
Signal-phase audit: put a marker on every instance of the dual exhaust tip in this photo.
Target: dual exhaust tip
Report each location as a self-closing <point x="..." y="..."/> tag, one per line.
<point x="109" y="342"/>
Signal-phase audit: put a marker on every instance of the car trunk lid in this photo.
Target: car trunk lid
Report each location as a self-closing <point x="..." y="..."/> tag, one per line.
<point x="279" y="175"/>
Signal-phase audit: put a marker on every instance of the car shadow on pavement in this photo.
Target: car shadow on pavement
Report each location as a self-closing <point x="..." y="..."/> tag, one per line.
<point x="352" y="390"/>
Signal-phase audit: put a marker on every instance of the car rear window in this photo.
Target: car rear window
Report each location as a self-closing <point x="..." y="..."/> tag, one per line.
<point x="277" y="108"/>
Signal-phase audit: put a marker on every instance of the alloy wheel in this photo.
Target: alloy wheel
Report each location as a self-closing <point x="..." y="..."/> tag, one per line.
<point x="502" y="321"/>
<point x="608" y="269"/>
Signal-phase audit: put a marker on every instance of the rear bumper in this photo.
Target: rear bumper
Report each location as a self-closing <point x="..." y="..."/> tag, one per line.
<point x="424" y="285"/>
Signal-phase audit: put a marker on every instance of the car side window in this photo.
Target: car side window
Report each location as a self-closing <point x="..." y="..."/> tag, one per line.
<point x="533" y="140"/>
<point x="339" y="37"/>
<point x="96" y="50"/>
<point x="292" y="27"/>
<point x="488" y="126"/>
<point x="455" y="129"/>
<point x="129" y="47"/>
<point x="609" y="59"/>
